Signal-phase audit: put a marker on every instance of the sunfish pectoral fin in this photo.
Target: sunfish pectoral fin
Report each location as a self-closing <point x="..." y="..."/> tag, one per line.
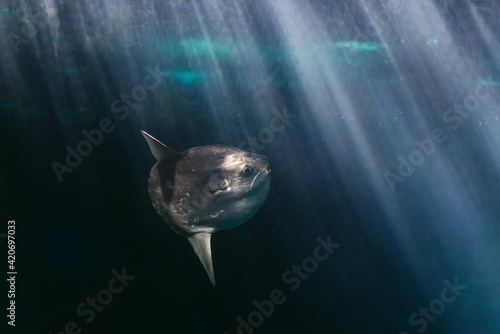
<point x="201" y="245"/>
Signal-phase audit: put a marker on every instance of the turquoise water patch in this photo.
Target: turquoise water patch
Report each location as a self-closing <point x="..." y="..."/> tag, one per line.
<point x="490" y="83"/>
<point x="358" y="46"/>
<point x="199" y="49"/>
<point x="432" y="41"/>
<point x="188" y="77"/>
<point x="354" y="45"/>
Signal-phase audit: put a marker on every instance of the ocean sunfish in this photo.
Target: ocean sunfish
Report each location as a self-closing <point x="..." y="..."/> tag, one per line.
<point x="206" y="189"/>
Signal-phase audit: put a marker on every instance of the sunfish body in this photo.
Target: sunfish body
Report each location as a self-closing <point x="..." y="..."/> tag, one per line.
<point x="206" y="189"/>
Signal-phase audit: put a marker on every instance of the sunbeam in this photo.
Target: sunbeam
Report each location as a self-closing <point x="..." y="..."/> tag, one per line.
<point x="378" y="119"/>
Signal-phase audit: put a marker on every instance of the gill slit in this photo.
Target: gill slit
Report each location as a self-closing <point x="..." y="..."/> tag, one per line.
<point x="251" y="184"/>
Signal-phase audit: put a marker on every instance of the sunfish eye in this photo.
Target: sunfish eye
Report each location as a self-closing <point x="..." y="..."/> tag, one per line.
<point x="247" y="170"/>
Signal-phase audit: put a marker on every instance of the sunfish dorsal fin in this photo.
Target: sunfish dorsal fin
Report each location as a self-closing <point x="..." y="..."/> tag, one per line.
<point x="201" y="245"/>
<point x="160" y="151"/>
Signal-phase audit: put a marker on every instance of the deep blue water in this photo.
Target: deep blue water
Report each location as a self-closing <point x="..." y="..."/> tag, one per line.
<point x="380" y="120"/>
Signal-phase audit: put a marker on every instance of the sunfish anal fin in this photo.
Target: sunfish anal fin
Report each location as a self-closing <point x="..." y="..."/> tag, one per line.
<point x="201" y="245"/>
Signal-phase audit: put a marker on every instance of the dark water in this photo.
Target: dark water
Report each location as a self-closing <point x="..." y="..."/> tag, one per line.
<point x="380" y="120"/>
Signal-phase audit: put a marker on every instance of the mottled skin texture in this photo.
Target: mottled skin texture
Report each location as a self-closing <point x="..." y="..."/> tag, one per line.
<point x="203" y="193"/>
<point x="206" y="189"/>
